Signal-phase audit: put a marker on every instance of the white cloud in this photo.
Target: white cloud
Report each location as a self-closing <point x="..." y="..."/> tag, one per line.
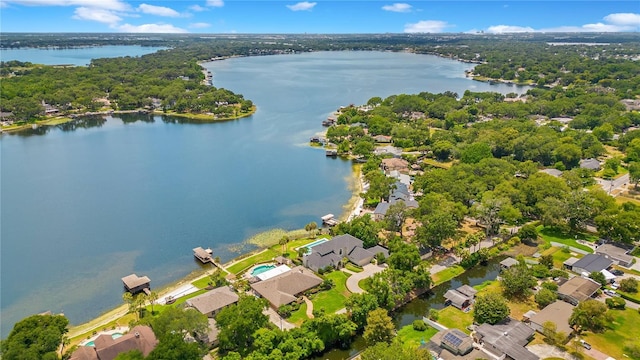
<point x="302" y="6"/>
<point x="99" y="15"/>
<point x="624" y="19"/>
<point x="197" y="8"/>
<point x="398" y="7"/>
<point x="426" y="26"/>
<point x="150" y="28"/>
<point x="199" y="25"/>
<point x="97" y="4"/>
<point x="501" y="29"/>
<point x="158" y="10"/>
<point x="215" y="3"/>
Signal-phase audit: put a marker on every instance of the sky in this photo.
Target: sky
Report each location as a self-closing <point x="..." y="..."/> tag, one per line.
<point x="319" y="16"/>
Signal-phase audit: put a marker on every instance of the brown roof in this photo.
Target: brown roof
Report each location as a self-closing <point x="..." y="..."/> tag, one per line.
<point x="395" y="164"/>
<point x="201" y="253"/>
<point x="282" y="289"/>
<point x="139" y="338"/>
<point x="579" y="288"/>
<point x="213" y="300"/>
<point x="558" y="313"/>
<point x="133" y="280"/>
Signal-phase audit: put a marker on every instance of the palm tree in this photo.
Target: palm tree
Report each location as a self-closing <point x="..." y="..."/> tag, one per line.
<point x="128" y="299"/>
<point x="153" y="297"/>
<point x="311" y="227"/>
<point x="283" y="241"/>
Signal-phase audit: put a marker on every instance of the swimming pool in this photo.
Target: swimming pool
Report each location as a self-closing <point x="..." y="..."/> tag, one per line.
<point x="315" y="243"/>
<point x="261" y="268"/>
<point x="113" y="336"/>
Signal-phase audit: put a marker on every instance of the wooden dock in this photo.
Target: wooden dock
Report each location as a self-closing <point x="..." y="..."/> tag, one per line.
<point x="329" y="220"/>
<point x="204" y="255"/>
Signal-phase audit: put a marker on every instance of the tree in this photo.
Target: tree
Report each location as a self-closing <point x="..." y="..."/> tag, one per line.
<point x="569" y="154"/>
<point x="379" y="327"/>
<point x="362" y="227"/>
<point x="546" y="260"/>
<point x="403" y="256"/>
<point x="395" y="351"/>
<point x="36" y="337"/>
<point x="238" y="322"/>
<point x="589" y="315"/>
<point x="490" y="308"/>
<point x="517" y="281"/>
<point x="395" y="217"/>
<point x="283" y="242"/>
<point x="442" y="149"/>
<point x="358" y="307"/>
<point x="550" y="331"/>
<point x="311" y="228"/>
<point x="332" y="329"/>
<point x="153" y="297"/>
<point x="475" y="152"/>
<point x="131" y="355"/>
<point x="174" y="320"/>
<point x="217" y="278"/>
<point x="629" y="285"/>
<point x="634" y="173"/>
<point x="173" y="347"/>
<point x="436" y="227"/>
<point x="528" y="232"/>
<point x="545" y="297"/>
<point x="598" y="277"/>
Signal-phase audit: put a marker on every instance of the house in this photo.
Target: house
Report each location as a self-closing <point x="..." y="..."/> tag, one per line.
<point x="140" y="338"/>
<point x="591" y="263"/>
<point x="506" y="340"/>
<point x="211" y="302"/>
<point x="394" y="163"/>
<point x="568" y="264"/>
<point x="382" y="139"/>
<point x="577" y="289"/>
<point x="616" y="254"/>
<point x="333" y="252"/>
<point x="380" y="211"/>
<point x="135" y="284"/>
<point x="508" y="262"/>
<point x="552" y="172"/>
<point x="285" y="288"/>
<point x="453" y="341"/>
<point x="591" y="164"/>
<point x="461" y="297"/>
<point x="388" y="150"/>
<point x="557" y="313"/>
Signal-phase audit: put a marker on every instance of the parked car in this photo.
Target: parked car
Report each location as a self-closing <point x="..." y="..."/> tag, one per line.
<point x="585" y="344"/>
<point x="617" y="272"/>
<point x="610" y="292"/>
<point x="615" y="286"/>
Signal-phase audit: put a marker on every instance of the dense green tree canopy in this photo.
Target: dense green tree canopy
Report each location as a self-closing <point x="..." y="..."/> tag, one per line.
<point x="36" y="337"/>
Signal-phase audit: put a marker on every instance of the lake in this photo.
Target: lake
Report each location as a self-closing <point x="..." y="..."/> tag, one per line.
<point x="75" y="56"/>
<point x="86" y="203"/>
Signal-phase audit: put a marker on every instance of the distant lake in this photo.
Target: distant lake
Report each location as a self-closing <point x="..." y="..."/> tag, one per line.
<point x="86" y="203"/>
<point x="74" y="56"/>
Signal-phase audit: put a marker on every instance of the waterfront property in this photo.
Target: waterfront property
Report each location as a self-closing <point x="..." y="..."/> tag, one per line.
<point x="211" y="302"/>
<point x="506" y="340"/>
<point x="558" y="313"/>
<point x="105" y="347"/>
<point x="336" y="252"/>
<point x="453" y="344"/>
<point x="135" y="284"/>
<point x="508" y="262"/>
<point x="577" y="289"/>
<point x="285" y="288"/>
<point x="461" y="298"/>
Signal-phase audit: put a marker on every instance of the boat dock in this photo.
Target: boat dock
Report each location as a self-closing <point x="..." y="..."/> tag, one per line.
<point x="204" y="255"/>
<point x="329" y="220"/>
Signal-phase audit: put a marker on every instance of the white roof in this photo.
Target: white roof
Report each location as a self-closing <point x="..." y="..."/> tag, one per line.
<point x="607" y="275"/>
<point x="273" y="272"/>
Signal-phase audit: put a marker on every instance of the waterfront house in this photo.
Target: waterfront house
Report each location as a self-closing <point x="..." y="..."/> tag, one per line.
<point x="617" y="254"/>
<point x="558" y="313"/>
<point x="508" y="262"/>
<point x="140" y="338"/>
<point x="452" y="343"/>
<point x="577" y="289"/>
<point x="392" y="164"/>
<point x="135" y="284"/>
<point x="506" y="340"/>
<point x="211" y="302"/>
<point x="591" y="263"/>
<point x="461" y="298"/>
<point x="285" y="288"/>
<point x="342" y="248"/>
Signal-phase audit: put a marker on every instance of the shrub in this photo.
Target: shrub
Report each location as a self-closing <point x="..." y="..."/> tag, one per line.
<point x="540" y="271"/>
<point x="629" y="285"/>
<point x="327" y="284"/>
<point x="284" y="311"/>
<point x="419" y="325"/>
<point x="559" y="273"/>
<point x="565" y="249"/>
<point x="549" y="285"/>
<point x="632" y="349"/>
<point x="434" y="314"/>
<point x="616" y="303"/>
<point x="545" y="297"/>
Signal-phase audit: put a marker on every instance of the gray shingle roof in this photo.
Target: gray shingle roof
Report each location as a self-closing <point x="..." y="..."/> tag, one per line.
<point x="213" y="300"/>
<point x="593" y="262"/>
<point x="510" y="337"/>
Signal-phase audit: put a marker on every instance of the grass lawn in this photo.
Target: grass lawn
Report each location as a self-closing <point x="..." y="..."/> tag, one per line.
<point x="559" y="256"/>
<point x="334" y="299"/>
<point x="299" y="316"/>
<point x="623" y="329"/>
<point x="517" y="308"/>
<point x="412" y="338"/>
<point x="436" y="163"/>
<point x="452" y="317"/>
<point x="447" y="274"/>
<point x="549" y="234"/>
<point x="246" y="263"/>
<point x="202" y="283"/>
<point x="354" y="268"/>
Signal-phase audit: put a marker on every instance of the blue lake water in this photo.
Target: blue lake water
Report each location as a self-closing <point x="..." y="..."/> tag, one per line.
<point x="86" y="203"/>
<point x="74" y="56"/>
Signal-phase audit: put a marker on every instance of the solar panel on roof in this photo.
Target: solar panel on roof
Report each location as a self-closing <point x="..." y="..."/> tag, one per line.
<point x="452" y="339"/>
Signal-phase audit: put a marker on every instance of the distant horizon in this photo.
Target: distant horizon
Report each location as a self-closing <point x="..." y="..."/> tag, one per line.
<point x="318" y="17"/>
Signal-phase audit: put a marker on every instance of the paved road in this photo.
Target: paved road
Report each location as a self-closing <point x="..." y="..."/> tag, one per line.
<point x="368" y="271"/>
<point x="611" y="185"/>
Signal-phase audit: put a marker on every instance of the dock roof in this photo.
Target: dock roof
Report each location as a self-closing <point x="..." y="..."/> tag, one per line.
<point x="133" y="281"/>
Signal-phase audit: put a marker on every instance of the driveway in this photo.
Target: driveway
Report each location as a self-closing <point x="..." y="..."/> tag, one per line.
<point x="549" y="351"/>
<point x="368" y="271"/>
<point x="277" y="320"/>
